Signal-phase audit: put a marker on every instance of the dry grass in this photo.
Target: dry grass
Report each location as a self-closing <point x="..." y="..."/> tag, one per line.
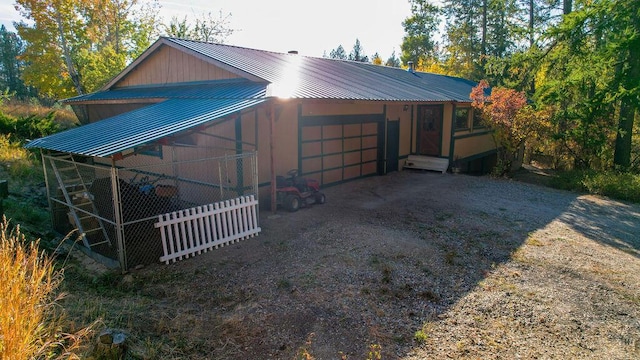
<point x="30" y="322"/>
<point x="64" y="116"/>
<point x="17" y="161"/>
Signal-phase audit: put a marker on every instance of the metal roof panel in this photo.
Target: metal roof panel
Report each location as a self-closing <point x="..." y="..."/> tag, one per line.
<point x="142" y="126"/>
<point x="221" y="89"/>
<point x="299" y="76"/>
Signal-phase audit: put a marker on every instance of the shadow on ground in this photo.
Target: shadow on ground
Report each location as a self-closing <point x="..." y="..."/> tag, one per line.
<point x="367" y="269"/>
<point x="608" y="222"/>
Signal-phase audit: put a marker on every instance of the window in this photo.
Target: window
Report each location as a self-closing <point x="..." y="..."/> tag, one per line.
<point x="149" y="150"/>
<point x="477" y="120"/>
<point x="462" y="119"/>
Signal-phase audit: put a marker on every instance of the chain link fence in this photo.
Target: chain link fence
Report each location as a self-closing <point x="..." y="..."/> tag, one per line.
<point x="114" y="209"/>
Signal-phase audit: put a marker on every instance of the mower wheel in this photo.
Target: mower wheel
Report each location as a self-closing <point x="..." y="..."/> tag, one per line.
<point x="292" y="203"/>
<point x="320" y="198"/>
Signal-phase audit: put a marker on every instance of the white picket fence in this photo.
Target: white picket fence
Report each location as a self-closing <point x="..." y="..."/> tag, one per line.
<point x="188" y="232"/>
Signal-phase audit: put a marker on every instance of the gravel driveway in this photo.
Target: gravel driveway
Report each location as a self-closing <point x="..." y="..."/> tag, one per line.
<point x="412" y="265"/>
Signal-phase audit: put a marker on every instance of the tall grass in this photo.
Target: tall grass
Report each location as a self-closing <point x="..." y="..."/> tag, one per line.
<point x="31" y="322"/>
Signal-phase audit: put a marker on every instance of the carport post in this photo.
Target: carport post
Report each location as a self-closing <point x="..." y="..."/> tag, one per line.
<point x="272" y="127"/>
<point x="117" y="215"/>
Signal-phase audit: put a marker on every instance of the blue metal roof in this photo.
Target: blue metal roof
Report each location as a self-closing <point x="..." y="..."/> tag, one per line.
<point x="298" y="76"/>
<point x="142" y="126"/>
<point x="217" y="89"/>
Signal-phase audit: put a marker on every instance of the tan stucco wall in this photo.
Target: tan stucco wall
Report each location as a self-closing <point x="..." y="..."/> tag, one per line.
<point x="255" y="127"/>
<point x="329" y="107"/>
<point x="397" y="112"/>
<point x="473" y="145"/>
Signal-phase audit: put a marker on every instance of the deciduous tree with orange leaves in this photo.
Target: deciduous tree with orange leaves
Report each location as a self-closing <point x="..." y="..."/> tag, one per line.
<point x="512" y="120"/>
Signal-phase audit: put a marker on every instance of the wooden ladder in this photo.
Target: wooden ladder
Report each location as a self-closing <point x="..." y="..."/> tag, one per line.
<point x="69" y="177"/>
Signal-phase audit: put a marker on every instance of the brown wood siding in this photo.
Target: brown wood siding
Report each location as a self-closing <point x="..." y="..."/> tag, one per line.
<point x="98" y="112"/>
<point x="250" y="130"/>
<point x="169" y="65"/>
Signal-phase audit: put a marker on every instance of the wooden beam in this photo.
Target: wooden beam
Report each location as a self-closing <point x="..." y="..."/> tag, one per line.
<point x="272" y="126"/>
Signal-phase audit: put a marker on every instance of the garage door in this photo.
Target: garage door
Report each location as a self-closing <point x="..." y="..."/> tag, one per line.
<point x="340" y="148"/>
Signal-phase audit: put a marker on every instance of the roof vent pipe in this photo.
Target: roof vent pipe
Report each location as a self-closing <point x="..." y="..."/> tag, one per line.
<point x="294" y="52"/>
<point x="410" y="68"/>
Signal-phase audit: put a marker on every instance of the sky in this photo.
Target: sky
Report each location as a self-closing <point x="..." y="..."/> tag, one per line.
<point x="310" y="27"/>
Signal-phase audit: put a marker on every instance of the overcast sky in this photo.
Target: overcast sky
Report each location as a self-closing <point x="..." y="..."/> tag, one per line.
<point x="311" y="27"/>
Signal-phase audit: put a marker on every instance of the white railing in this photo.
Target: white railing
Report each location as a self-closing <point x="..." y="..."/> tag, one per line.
<point x="188" y="232"/>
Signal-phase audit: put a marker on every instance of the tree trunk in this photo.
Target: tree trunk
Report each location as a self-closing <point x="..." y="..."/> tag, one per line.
<point x="622" y="154"/>
<point x="531" y="23"/>
<point x="75" y="77"/>
<point x="567" y="6"/>
<point x="483" y="45"/>
<point x="629" y="104"/>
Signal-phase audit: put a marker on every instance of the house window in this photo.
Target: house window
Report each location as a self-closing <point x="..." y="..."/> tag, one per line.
<point x="462" y="119"/>
<point x="477" y="120"/>
<point x="149" y="150"/>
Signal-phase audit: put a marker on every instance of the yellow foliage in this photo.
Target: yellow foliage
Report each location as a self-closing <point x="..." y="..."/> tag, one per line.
<point x="430" y="66"/>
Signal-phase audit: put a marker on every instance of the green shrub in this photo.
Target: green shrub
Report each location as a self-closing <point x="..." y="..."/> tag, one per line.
<point x="29" y="127"/>
<point x="617" y="185"/>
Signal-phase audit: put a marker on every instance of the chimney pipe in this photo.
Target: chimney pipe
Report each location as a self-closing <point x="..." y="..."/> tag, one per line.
<point x="410" y="69"/>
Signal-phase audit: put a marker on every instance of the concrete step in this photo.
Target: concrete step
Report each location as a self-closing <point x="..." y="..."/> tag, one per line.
<point x="427" y="163"/>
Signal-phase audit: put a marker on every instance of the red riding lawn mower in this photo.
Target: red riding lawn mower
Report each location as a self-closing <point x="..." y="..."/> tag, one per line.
<point x="293" y="191"/>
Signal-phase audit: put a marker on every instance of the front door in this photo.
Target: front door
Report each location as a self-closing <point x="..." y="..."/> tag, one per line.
<point x="429" y="129"/>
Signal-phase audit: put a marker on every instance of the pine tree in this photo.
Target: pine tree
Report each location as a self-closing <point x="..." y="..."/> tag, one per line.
<point x="357" y="54"/>
<point x="419" y="44"/>
<point x="338" y="53"/>
<point x="11" y="67"/>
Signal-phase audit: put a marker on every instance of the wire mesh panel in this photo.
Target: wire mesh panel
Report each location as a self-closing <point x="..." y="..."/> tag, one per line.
<point x="116" y="208"/>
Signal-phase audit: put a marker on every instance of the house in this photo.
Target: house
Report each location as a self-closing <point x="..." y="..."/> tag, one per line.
<point x="332" y="120"/>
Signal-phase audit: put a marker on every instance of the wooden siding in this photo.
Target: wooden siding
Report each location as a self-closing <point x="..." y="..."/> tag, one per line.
<point x="96" y="112"/>
<point x="169" y="65"/>
<point x="286" y="140"/>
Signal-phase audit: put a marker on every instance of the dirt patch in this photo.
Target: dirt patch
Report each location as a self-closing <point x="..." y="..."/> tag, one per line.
<point x="408" y="266"/>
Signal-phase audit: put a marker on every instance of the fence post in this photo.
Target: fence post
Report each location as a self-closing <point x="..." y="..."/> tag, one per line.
<point x="50" y="190"/>
<point x="117" y="216"/>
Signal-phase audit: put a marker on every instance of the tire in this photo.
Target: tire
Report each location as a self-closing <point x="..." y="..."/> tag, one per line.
<point x="292" y="203"/>
<point x="320" y="198"/>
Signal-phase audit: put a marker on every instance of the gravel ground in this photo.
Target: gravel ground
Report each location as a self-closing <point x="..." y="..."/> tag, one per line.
<point x="413" y="265"/>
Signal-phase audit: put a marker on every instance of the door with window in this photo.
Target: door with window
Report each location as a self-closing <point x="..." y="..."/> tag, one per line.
<point x="430" y="129"/>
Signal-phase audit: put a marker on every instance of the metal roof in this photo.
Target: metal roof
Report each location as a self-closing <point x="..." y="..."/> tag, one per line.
<point x="217" y="89"/>
<point x="142" y="126"/>
<point x="267" y="74"/>
<point x="298" y="76"/>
